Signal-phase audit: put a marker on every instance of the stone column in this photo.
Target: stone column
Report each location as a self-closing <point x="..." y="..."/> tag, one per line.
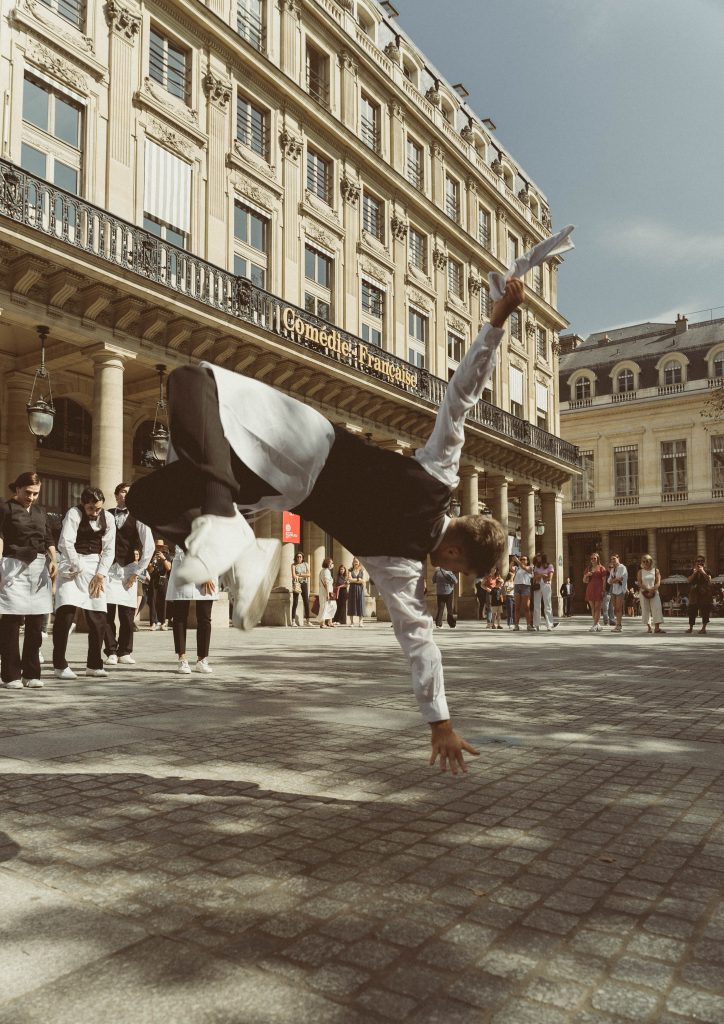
<point x="701" y="541"/>
<point x="527" y="525"/>
<point x="106" y="466"/>
<point x="315" y="555"/>
<point x="218" y="95"/>
<point x="22" y="454"/>
<point x="290" y="38"/>
<point x="279" y="606"/>
<point x="124" y="25"/>
<point x="349" y="92"/>
<point x="499" y="499"/>
<point x="470" y="505"/>
<point x="552" y="503"/>
<point x="651" y="542"/>
<point x="605" y="551"/>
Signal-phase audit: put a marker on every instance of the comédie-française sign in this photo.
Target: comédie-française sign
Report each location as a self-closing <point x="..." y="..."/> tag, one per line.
<point x="357" y="353"/>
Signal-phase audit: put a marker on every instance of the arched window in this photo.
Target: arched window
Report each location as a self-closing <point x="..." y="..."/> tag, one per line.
<point x="366" y="23"/>
<point x="719" y="364"/>
<point x="72" y="429"/>
<point x="409" y="70"/>
<point x="582" y="388"/>
<point x="672" y="372"/>
<point x="142" y="442"/>
<point x="625" y="380"/>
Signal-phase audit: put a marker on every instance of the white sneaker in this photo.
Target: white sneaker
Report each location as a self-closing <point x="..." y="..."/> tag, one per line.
<point x="599" y="629"/>
<point x="250" y="580"/>
<point x="14" y="684"/>
<point x="203" y="666"/>
<point x="126" y="659"/>
<point x="112" y="659"/>
<point x="184" y="668"/>
<point x="213" y="546"/>
<point x="64" y="673"/>
<point x="99" y="672"/>
<point x="155" y="625"/>
<point x="41" y="658"/>
<point x="33" y="684"/>
<point x="164" y="625"/>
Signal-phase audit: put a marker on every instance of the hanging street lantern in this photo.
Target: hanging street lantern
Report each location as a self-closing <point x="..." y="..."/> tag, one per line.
<point x="160" y="436"/>
<point x="41" y="411"/>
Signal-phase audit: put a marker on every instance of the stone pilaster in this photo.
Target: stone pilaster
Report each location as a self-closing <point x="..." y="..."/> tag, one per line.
<point x="291" y="38"/>
<point x="124" y="22"/>
<point x="552" y="504"/>
<point x="315" y="553"/>
<point x="291" y="147"/>
<point x="605" y="552"/>
<point x="701" y="541"/>
<point x="348" y="73"/>
<point x="106" y="465"/>
<point x="218" y="97"/>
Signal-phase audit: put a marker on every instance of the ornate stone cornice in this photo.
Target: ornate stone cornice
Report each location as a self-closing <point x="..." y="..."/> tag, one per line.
<point x="247" y="187"/>
<point x="436" y="150"/>
<point x="471" y="185"/>
<point x="399" y="228"/>
<point x="171" y="139"/>
<point x="319" y="208"/>
<point x="217" y="90"/>
<point x="52" y="28"/>
<point x="318" y="234"/>
<point x="122" y="20"/>
<point x="374" y="270"/>
<point x="293" y="6"/>
<point x="497" y="166"/>
<point x="350" y="190"/>
<point x="243" y="158"/>
<point x="420" y="299"/>
<point x="155" y="98"/>
<point x="290" y="145"/>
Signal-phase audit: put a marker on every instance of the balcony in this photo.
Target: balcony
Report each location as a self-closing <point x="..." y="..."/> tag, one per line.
<point x="67" y="220"/>
<point x="667" y="497"/>
<point x="671" y="389"/>
<point x="624" y="396"/>
<point x="582" y="505"/>
<point x="626" y="501"/>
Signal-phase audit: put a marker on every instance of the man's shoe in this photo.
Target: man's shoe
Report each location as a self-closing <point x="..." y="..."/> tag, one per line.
<point x="14" y="684"/>
<point x="555" y="625"/>
<point x="183" y="668"/>
<point x="126" y="659"/>
<point x="202" y="665"/>
<point x="96" y="672"/>
<point x="33" y="684"/>
<point x="251" y="579"/>
<point x="64" y="673"/>
<point x="214" y="545"/>
<point x="112" y="659"/>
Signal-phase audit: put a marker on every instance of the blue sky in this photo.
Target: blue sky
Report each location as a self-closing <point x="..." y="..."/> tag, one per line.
<point x="615" y="108"/>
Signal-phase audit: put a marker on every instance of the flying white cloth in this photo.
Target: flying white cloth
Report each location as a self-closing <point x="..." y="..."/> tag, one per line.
<point x="553" y="246"/>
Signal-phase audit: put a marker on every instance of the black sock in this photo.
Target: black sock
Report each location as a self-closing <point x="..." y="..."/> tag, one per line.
<point x="218" y="500"/>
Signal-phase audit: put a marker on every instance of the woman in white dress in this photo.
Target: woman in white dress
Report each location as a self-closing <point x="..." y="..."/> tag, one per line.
<point x="182" y="594"/>
<point x="327" y="604"/>
<point x="649" y="580"/>
<point x="27" y="567"/>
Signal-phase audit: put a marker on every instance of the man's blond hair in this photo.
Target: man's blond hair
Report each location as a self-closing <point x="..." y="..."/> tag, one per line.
<point x="482" y="540"/>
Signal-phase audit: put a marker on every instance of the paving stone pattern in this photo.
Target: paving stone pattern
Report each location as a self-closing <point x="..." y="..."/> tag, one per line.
<point x="268" y="844"/>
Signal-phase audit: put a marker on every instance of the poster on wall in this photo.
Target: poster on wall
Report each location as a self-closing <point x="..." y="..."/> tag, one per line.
<point x="291" y="528"/>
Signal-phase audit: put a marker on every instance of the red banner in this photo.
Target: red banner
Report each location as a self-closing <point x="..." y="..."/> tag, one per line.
<point x="291" y="528"/>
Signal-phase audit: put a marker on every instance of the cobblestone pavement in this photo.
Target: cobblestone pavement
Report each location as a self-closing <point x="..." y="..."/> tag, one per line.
<point x="268" y="844"/>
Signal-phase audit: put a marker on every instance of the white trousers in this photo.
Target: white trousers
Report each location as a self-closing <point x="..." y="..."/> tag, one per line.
<point x="651" y="609"/>
<point x="542" y="596"/>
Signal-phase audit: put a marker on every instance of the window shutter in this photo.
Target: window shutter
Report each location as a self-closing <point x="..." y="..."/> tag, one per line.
<point x="167" y="188"/>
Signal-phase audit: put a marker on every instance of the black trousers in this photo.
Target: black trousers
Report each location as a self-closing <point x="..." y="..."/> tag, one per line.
<point x="305" y="600"/>
<point x="13" y="665"/>
<point x="61" y="631"/>
<point x="445" y="603"/>
<point x="124" y="643"/>
<point x="694" y="609"/>
<point x="203" y="626"/>
<point x="567" y="603"/>
<point x="159" y="610"/>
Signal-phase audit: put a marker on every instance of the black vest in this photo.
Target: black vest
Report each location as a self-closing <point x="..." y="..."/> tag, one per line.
<point x="89" y="541"/>
<point x="127" y="540"/>
<point x="377" y="502"/>
<point x="25" y="534"/>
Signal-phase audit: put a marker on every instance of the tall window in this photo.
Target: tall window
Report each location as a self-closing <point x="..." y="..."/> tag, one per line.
<point x="626" y="471"/>
<point x="672" y="372"/>
<point x="417" y="249"/>
<point x="169" y="64"/>
<point x="252" y="126"/>
<point x="484" y="227"/>
<point x="415" y="164"/>
<point x="250" y="22"/>
<point x="516" y="326"/>
<point x="538" y="279"/>
<point x="373" y="307"/>
<point x="417" y="329"/>
<point x="717" y="465"/>
<point x="541" y="405"/>
<point x="318" y="267"/>
<point x="512" y="250"/>
<point x="373" y="216"/>
<point x="319" y="176"/>
<point x="369" y="123"/>
<point x="51" y="146"/>
<point x="582" y="389"/>
<point x="485" y="303"/>
<point x="72" y="429"/>
<point x="515" y="387"/>
<point x="452" y="198"/>
<point x="541" y="342"/>
<point x="673" y="467"/>
<point x="167" y="195"/>
<point x="455" y="352"/>
<point x="719" y="365"/>
<point x="625" y="380"/>
<point x="318" y="75"/>
<point x="454" y="277"/>
<point x="71" y="10"/>
<point x="251" y="241"/>
<point x="583" y="490"/>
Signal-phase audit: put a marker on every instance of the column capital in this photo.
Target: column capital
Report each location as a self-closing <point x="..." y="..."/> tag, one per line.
<point x="122" y="20"/>
<point x="468" y="471"/>
<point x="499" y="478"/>
<point x="106" y="352"/>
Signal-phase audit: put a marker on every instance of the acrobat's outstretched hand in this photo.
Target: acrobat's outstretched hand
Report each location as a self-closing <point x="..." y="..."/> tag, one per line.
<point x="449" y="747"/>
<point x="512" y="298"/>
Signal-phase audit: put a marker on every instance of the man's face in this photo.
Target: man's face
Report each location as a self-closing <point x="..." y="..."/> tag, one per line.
<point x="27" y="496"/>
<point x="93" y="509"/>
<point x="121" y="497"/>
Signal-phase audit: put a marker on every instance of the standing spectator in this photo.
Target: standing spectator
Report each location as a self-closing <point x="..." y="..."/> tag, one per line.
<point x="543" y="573"/>
<point x="699" y="594"/>
<point x="327" y="606"/>
<point x="158" y="569"/>
<point x="607" y="615"/>
<point x="630" y="602"/>
<point x="566" y="593"/>
<point x="87" y="547"/>
<point x="179" y="596"/>
<point x="481" y="595"/>
<point x="618" y="578"/>
<point x="28" y="565"/>
<point x="340" y="595"/>
<point x="123" y="575"/>
<point x="496" y="600"/>
<point x="649" y="581"/>
<point x="487" y="587"/>
<point x="509" y="595"/>
<point x="595" y="578"/>
<point x="300" y="588"/>
<point x="356" y="594"/>
<point x="445" y="581"/>
<point x="522" y="585"/>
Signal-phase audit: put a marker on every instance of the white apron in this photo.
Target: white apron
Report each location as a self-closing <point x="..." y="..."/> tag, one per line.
<point x="74" y="590"/>
<point x="116" y="591"/>
<point x="176" y="591"/>
<point x="25" y="587"/>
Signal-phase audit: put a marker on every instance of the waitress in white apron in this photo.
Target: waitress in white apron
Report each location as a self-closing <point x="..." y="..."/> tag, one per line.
<point x="27" y="568"/>
<point x="182" y="594"/>
<point x="133" y="551"/>
<point x="87" y="547"/>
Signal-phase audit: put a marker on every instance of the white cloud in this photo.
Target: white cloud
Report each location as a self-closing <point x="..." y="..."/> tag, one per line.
<point x="663" y="245"/>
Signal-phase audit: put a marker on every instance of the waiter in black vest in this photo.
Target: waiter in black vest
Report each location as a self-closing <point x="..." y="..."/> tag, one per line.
<point x="132" y="538"/>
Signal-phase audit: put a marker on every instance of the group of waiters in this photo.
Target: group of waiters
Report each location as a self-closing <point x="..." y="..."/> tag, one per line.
<point x="100" y="556"/>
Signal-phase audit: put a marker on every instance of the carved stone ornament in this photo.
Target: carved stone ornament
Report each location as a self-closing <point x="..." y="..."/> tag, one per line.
<point x="471" y="185"/>
<point x="319" y="204"/>
<point x="433" y="96"/>
<point x="346" y="5"/>
<point x="249" y="188"/>
<point x="290" y="145"/>
<point x="347" y="62"/>
<point x="397" y="110"/>
<point x="530" y="328"/>
<point x="439" y="258"/>
<point x="436" y="150"/>
<point x="175" y="107"/>
<point x="502" y="214"/>
<point x="416" y="274"/>
<point x="293" y="6"/>
<point x="249" y="158"/>
<point x="217" y="91"/>
<point x="55" y="27"/>
<point x="56" y="66"/>
<point x="373" y="270"/>
<point x="475" y="283"/>
<point x="171" y="140"/>
<point x="524" y="195"/>
<point x="527" y="243"/>
<point x="312" y="230"/>
<point x="546" y="220"/>
<point x="419" y="299"/>
<point x="394" y="52"/>
<point x="121" y="19"/>
<point x="399" y="228"/>
<point x="372" y="242"/>
<point x="497" y="166"/>
<point x="457" y="325"/>
<point x="467" y="134"/>
<point x="350" y="190"/>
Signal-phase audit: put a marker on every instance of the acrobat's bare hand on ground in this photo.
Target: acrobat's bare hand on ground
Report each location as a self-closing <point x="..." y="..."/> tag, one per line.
<point x="449" y="747"/>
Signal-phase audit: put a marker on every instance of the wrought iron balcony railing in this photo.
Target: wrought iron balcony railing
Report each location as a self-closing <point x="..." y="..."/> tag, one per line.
<point x="72" y="221"/>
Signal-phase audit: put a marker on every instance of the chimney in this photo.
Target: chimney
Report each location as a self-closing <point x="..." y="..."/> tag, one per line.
<point x="682" y="324"/>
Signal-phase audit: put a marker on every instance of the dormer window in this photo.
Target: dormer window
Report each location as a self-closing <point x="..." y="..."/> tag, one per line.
<point x="582" y="389"/>
<point x="672" y="372"/>
<point x="625" y="381"/>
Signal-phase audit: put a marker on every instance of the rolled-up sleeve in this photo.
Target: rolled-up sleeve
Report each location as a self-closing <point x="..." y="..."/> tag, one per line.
<point x="401" y="584"/>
